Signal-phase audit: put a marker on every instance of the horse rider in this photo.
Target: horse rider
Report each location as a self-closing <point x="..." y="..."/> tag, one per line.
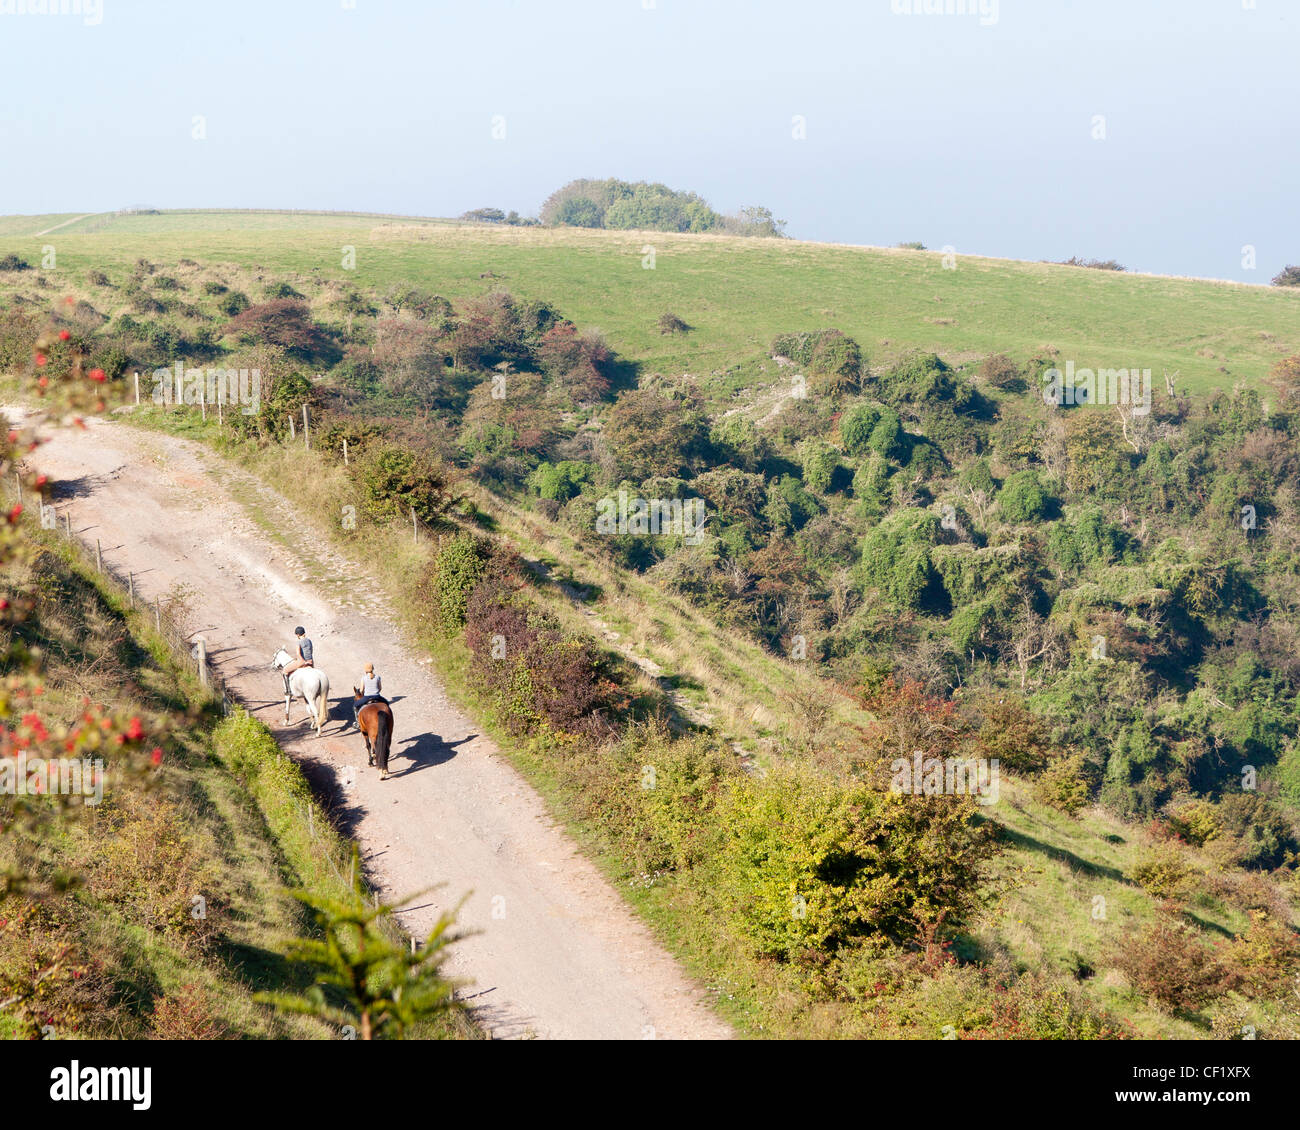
<point x="372" y="690"/>
<point x="304" y="652"/>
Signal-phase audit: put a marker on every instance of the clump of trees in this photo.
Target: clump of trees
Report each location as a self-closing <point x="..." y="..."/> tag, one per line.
<point x="1094" y="264"/>
<point x="497" y="216"/>
<point x="621" y="205"/>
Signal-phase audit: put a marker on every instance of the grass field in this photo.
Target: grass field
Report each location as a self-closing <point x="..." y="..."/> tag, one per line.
<point x="736" y="293"/>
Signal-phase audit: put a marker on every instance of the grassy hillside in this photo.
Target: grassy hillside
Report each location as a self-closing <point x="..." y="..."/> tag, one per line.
<point x="162" y="910"/>
<point x="737" y="293"/>
<point x="919" y="555"/>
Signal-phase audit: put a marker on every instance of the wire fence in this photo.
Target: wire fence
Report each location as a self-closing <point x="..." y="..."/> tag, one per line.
<point x="189" y="647"/>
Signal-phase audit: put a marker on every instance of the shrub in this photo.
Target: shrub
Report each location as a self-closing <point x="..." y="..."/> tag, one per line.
<point x="1022" y="498"/>
<point x="820" y="462"/>
<point x="456" y="570"/>
<point x="559" y="481"/>
<point x="98" y="278"/>
<point x="234" y="304"/>
<point x="856" y="426"/>
<point x="1288" y="276"/>
<point x="670" y="323"/>
<point x="1162" y="871"/>
<point x="395" y="480"/>
<point x="1064" y="785"/>
<point x="1262" y="835"/>
<point x="286" y="322"/>
<point x="896" y="557"/>
<point x="1013" y="735"/>
<point x="538" y="674"/>
<point x="1001" y="372"/>
<point x="1168" y="963"/>
<point x="214" y="288"/>
<point x="1094" y="264"/>
<point x="809" y="863"/>
<point x="281" y="290"/>
<point x="887" y="437"/>
<point x="12" y="262"/>
<point x="1197" y="822"/>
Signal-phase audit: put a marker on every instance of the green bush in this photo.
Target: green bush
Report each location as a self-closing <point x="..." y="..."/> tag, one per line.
<point x="1022" y="498"/>
<point x="820" y="462"/>
<point x="559" y="481"/>
<point x="809" y="863"/>
<point x="856" y="426"/>
<point x="458" y="568"/>
<point x="896" y="557"/>
<point x="395" y="480"/>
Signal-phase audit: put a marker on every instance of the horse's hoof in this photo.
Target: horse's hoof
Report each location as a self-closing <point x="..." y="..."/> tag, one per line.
<point x="383" y="776"/>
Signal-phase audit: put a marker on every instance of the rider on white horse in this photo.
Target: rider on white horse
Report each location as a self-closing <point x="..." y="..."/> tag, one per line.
<point x="304" y="651"/>
<point x="302" y="679"/>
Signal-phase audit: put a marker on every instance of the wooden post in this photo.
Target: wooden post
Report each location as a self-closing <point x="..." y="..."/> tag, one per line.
<point x="415" y="530"/>
<point x="203" y="399"/>
<point x="345" y="451"/>
<point x="306" y="428"/>
<point x="67" y="523"/>
<point x="137" y="387"/>
<point x="99" y="557"/>
<point x="157" y="614"/>
<point x="293" y="432"/>
<point x="221" y="386"/>
<point x="203" y="661"/>
<point x="130" y="587"/>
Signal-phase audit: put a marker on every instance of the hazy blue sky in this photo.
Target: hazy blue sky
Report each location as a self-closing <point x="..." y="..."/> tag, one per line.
<point x="942" y="128"/>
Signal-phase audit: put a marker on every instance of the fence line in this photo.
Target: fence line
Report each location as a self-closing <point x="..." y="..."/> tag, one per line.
<point x="191" y="651"/>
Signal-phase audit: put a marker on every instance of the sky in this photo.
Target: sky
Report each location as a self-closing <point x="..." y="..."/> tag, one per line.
<point x="1161" y="133"/>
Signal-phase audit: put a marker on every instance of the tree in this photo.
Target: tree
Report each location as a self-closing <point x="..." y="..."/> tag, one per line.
<point x="1022" y="498"/>
<point x="648" y="434"/>
<point x="1288" y="276"/>
<point x="286" y="322"/>
<point x="364" y="978"/>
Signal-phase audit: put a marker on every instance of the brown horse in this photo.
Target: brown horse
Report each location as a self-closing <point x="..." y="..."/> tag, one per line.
<point x="375" y="721"/>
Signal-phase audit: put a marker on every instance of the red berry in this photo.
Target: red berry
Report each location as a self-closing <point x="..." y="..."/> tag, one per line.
<point x="96" y="374"/>
<point x="41" y="359"/>
<point x="64" y="335"/>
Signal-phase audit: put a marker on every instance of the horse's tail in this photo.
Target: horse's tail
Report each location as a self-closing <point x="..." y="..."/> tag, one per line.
<point x="383" y="734"/>
<point x="323" y="705"/>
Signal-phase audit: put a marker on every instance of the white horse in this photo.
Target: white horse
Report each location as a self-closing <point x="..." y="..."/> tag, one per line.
<point x="307" y="683"/>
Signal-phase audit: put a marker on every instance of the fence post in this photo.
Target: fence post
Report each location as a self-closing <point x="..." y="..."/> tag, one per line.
<point x="137" y="387"/>
<point x="157" y="614"/>
<point x="203" y="399"/>
<point x="203" y="661"/>
<point x="130" y="587"/>
<point x="306" y="428"/>
<point x="67" y="523"/>
<point x="415" y="530"/>
<point x="345" y="451"/>
<point x="99" y="557"/>
<point x="221" y="421"/>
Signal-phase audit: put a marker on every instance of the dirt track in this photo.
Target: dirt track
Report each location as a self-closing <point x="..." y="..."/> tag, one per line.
<point x="559" y="955"/>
